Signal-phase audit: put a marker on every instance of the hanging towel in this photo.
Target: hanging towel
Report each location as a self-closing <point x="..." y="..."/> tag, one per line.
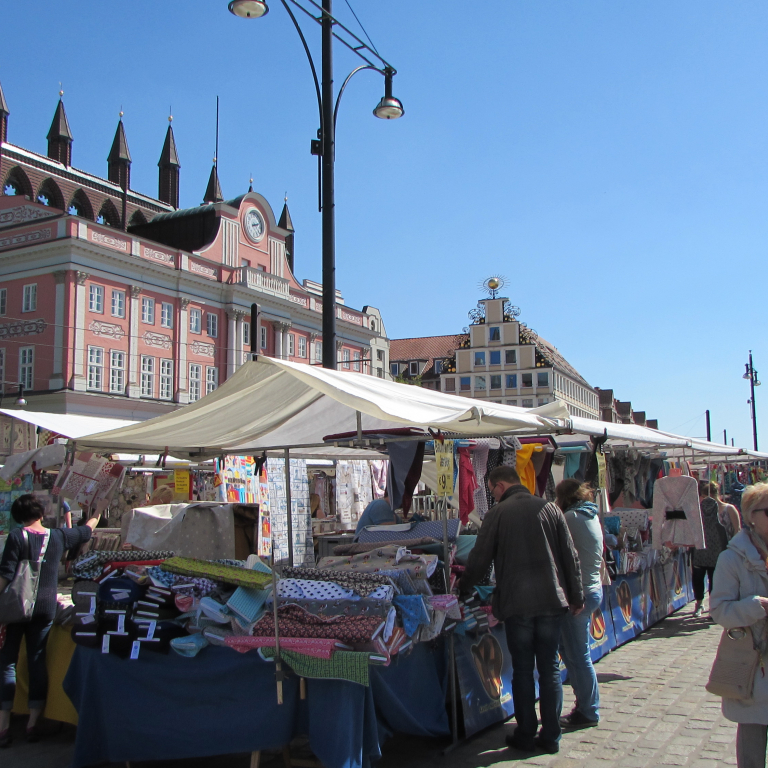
<point x="525" y="465"/>
<point x="480" y="464"/>
<point x="405" y="462"/>
<point x="677" y="513"/>
<point x="467" y="485"/>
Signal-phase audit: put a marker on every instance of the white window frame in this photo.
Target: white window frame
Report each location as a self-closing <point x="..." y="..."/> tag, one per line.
<point x="147" y="376"/>
<point x="96" y="299"/>
<point x="211" y="379"/>
<point x="195" y="320"/>
<point x="246" y="334"/>
<point x="413" y="368"/>
<point x="147" y="310"/>
<point x="394" y="369"/>
<point x="291" y="345"/>
<point x="212" y="324"/>
<point x="263" y="337"/>
<point x="96" y="368"/>
<point x="3" y="301"/>
<point x="166" y="379"/>
<point x="27" y="367"/>
<point x="345" y="358"/>
<point x="166" y="314"/>
<point x="117" y="371"/>
<point x="356" y="360"/>
<point x="302" y="346"/>
<point x="195" y="382"/>
<point x="319" y="351"/>
<point x="2" y="370"/>
<point x="29" y="298"/>
<point x="118" y="303"/>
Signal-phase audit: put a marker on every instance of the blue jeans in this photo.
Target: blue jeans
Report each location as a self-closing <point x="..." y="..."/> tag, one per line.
<point x="574" y="649"/>
<point x="36" y="632"/>
<point x="533" y="642"/>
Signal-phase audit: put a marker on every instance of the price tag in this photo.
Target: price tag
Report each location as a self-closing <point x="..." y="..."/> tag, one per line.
<point x="92" y="608"/>
<point x="444" y="461"/>
<point x="135" y="649"/>
<point x="121" y="624"/>
<point x="105" y="644"/>
<point x="88" y="619"/>
<point x="151" y="630"/>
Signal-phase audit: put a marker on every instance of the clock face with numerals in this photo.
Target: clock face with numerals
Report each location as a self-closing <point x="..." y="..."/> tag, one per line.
<point x="254" y="225"/>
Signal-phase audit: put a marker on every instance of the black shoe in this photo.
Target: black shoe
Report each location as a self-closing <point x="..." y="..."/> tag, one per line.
<point x="577" y="720"/>
<point x="521" y="745"/>
<point x="5" y="738"/>
<point x="33" y="735"/>
<point x="550" y="747"/>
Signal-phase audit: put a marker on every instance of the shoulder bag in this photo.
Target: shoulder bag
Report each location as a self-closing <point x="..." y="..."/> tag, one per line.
<point x="17" y="600"/>
<point x="736" y="663"/>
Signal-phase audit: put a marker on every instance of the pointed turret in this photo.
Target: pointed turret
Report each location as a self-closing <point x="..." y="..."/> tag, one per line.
<point x="119" y="158"/>
<point x="168" y="184"/>
<point x="4" y="112"/>
<point x="213" y="190"/>
<point x="286" y="223"/>
<point x="60" y="136"/>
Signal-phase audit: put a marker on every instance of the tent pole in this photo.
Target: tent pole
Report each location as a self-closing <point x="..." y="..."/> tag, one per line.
<point x="289" y="503"/>
<point x="359" y="417"/>
<point x="451" y="649"/>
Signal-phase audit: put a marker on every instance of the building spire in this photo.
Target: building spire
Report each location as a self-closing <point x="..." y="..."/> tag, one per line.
<point x="286" y="223"/>
<point x="169" y="165"/>
<point x="119" y="158"/>
<point x="4" y="112"/>
<point x="60" y="136"/>
<point x="213" y="190"/>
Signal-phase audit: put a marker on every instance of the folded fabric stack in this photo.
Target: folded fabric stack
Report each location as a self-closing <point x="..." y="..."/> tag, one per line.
<point x="228" y="574"/>
<point x="387" y="558"/>
<point x="91" y="565"/>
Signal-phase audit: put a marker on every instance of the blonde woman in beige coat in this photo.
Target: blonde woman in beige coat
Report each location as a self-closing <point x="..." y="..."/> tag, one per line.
<point x="740" y="599"/>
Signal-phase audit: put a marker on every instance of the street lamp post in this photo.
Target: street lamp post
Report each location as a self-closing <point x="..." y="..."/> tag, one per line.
<point x="388" y="108"/>
<point x="751" y="374"/>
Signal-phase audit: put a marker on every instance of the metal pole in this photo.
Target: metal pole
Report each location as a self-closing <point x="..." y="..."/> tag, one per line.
<point x="329" y="215"/>
<point x="725" y="437"/>
<point x="752" y="395"/>
<point x="709" y="428"/>
<point x="289" y="504"/>
<point x="254" y="329"/>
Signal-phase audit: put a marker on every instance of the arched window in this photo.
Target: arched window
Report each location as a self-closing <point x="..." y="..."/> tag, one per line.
<point x="80" y="205"/>
<point x="137" y="218"/>
<point x="108" y="215"/>
<point x="17" y="183"/>
<point x="50" y="194"/>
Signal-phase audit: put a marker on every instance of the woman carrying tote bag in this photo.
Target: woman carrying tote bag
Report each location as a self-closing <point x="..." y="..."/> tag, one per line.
<point x="739" y="603"/>
<point x="27" y="543"/>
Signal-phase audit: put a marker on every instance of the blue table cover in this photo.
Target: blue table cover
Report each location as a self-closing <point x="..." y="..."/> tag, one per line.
<point x="223" y="702"/>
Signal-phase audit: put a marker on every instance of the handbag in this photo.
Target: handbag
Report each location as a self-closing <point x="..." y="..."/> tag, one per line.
<point x="17" y="600"/>
<point x="735" y="666"/>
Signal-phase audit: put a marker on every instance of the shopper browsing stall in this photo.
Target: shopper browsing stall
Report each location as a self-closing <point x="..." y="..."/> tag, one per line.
<point x="32" y="541"/>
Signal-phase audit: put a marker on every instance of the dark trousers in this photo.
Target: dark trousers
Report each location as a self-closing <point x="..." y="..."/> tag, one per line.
<point x="36" y="633"/>
<point x="533" y="643"/>
<point x="698" y="581"/>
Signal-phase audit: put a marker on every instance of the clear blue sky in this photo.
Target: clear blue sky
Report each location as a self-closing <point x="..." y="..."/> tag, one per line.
<point x="609" y="158"/>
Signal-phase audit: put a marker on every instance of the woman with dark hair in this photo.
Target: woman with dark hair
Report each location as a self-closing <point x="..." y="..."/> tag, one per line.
<point x="30" y="542"/>
<point x="575" y="499"/>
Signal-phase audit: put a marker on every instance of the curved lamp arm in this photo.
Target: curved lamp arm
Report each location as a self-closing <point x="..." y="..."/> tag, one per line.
<point x="344" y="85"/>
<point x="311" y="64"/>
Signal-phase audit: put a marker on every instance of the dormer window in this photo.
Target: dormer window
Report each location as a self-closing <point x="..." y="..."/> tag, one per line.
<point x="414" y="369"/>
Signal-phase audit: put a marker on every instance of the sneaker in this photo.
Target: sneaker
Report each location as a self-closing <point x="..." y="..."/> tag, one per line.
<point x="698" y="610"/>
<point x="521" y="745"/>
<point x="550" y="747"/>
<point x="577" y="720"/>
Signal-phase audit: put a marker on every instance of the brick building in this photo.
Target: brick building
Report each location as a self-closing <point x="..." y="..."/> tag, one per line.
<point x="115" y="303"/>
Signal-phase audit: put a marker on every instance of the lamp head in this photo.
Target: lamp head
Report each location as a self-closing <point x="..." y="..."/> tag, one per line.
<point x="746" y="369"/>
<point x="20" y="401"/>
<point x="248" y="9"/>
<point x="389" y="108"/>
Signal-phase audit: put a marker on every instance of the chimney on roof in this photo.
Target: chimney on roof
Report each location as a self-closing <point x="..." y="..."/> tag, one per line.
<point x="4" y="112"/>
<point x="119" y="159"/>
<point x="286" y="223"/>
<point x="60" y="136"/>
<point x="169" y="165"/>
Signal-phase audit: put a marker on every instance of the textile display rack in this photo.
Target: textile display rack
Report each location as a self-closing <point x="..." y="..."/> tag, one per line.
<point x="283" y="410"/>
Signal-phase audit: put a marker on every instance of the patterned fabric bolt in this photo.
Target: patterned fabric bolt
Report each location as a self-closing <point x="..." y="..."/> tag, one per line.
<point x="240" y="577"/>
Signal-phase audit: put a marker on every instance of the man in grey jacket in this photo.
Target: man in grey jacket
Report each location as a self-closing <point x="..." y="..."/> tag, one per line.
<point x="538" y="579"/>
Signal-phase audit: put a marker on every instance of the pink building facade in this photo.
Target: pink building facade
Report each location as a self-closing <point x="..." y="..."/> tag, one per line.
<point x="134" y="314"/>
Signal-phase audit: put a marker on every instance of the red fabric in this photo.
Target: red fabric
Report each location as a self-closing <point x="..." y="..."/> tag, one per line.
<point x="294" y="621"/>
<point x="467" y="485"/>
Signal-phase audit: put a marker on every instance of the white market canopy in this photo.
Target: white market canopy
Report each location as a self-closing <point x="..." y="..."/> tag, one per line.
<point x="66" y="424"/>
<point x="271" y="404"/>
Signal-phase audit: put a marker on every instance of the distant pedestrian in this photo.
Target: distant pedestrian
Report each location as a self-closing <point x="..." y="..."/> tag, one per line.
<point x="740" y="599"/>
<point x="580" y="511"/>
<point x="537" y="580"/>
<point x="721" y="522"/>
<point x="378" y="512"/>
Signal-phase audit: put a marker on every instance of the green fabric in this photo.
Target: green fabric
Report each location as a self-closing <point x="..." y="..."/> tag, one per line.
<point x="343" y="665"/>
<point x="229" y="574"/>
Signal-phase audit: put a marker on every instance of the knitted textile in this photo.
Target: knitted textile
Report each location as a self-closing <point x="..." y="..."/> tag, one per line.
<point x="362" y="583"/>
<point x="228" y="574"/>
<point x="343" y="665"/>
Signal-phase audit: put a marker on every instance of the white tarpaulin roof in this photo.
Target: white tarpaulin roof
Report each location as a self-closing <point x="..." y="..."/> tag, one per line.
<point x="274" y="403"/>
<point x="66" y="424"/>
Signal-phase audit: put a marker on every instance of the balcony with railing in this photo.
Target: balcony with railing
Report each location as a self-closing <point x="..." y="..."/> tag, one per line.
<point x="258" y="280"/>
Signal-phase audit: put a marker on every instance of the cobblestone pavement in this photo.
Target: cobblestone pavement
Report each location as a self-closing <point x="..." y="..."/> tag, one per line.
<point x="655" y="712"/>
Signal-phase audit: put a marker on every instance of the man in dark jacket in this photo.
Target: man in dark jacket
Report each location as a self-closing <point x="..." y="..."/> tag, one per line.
<point x="538" y="579"/>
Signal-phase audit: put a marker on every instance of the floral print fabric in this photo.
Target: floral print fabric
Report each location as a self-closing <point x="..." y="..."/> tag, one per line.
<point x="362" y="583"/>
